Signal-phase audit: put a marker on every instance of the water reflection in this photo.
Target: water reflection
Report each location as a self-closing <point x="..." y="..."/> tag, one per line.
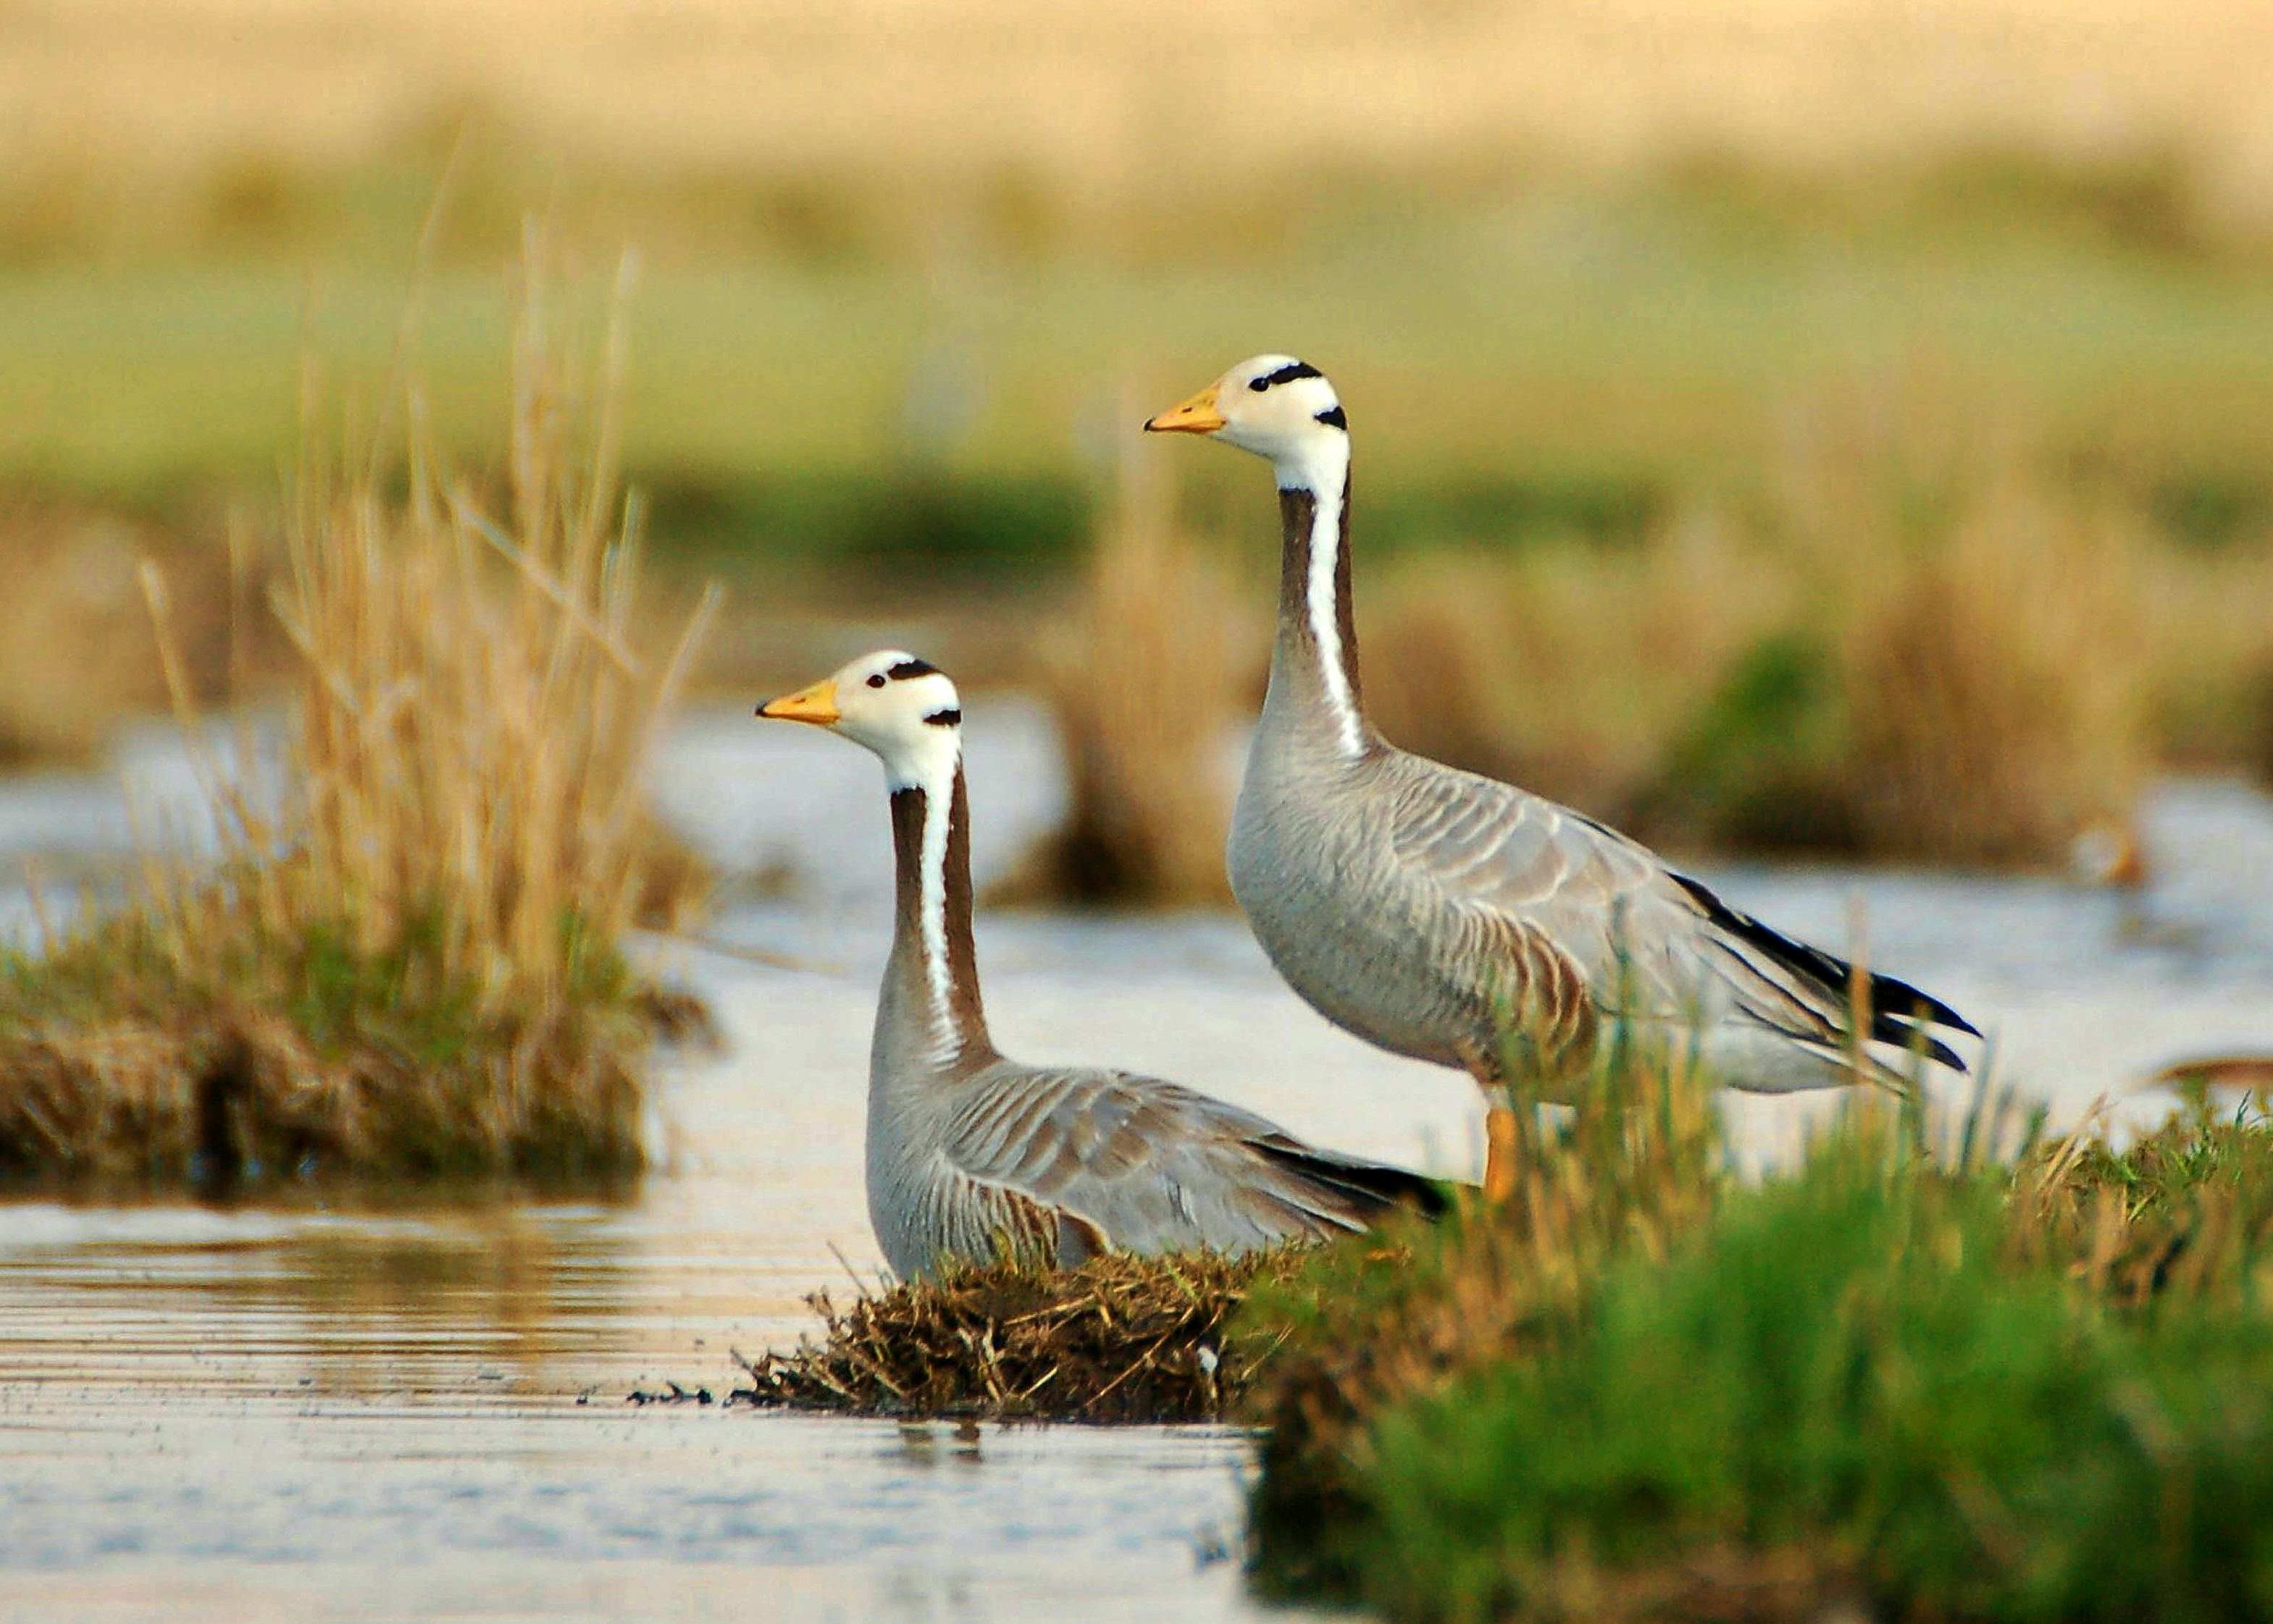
<point x="375" y="1300"/>
<point x="924" y="1444"/>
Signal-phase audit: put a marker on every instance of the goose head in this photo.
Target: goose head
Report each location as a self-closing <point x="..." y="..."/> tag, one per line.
<point x="902" y="708"/>
<point x="1277" y="406"/>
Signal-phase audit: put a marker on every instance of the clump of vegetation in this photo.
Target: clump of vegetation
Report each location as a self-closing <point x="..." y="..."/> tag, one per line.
<point x="1762" y="763"/>
<point x="1120" y="1338"/>
<point x="1930" y="1385"/>
<point x="1945" y="665"/>
<point x="1996" y="689"/>
<point x="409" y="957"/>
<point x="1635" y="1166"/>
<point x="1145" y="698"/>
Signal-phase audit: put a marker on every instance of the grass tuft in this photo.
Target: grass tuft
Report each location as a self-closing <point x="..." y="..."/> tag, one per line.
<point x="1120" y="1338"/>
<point x="1997" y="689"/>
<point x="409" y="959"/>
<point x="1371" y="1322"/>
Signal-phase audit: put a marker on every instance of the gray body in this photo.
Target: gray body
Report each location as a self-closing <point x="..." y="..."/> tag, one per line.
<point x="1454" y="919"/>
<point x="970" y="1154"/>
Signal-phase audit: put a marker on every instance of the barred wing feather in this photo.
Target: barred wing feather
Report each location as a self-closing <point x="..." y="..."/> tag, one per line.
<point x="1152" y="1167"/>
<point x="1642" y="941"/>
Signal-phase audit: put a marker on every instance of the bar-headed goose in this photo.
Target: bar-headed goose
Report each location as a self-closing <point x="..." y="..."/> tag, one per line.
<point x="1455" y="919"/>
<point x="969" y="1152"/>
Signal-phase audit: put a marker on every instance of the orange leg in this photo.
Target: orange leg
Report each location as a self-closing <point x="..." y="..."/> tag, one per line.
<point x="1499" y="1143"/>
<point x="1499" y="1125"/>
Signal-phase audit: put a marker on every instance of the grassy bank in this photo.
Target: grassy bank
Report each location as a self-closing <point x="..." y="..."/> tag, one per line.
<point x="1926" y="1385"/>
<point x="409" y="956"/>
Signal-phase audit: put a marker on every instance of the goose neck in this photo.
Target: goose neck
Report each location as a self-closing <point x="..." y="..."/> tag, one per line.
<point x="931" y="1010"/>
<point x="1313" y="667"/>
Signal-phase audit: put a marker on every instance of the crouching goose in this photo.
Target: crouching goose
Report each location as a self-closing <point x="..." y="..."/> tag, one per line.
<point x="1452" y="918"/>
<point x="970" y="1154"/>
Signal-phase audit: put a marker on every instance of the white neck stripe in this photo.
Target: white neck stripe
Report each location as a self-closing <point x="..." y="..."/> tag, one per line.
<point x="930" y="769"/>
<point x="1327" y="480"/>
<point x="938" y="816"/>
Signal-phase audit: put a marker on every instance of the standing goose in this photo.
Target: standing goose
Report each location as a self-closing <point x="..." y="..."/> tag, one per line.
<point x="969" y="1152"/>
<point x="1455" y="919"/>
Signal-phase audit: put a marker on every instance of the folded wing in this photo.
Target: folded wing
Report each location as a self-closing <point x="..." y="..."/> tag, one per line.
<point x="1648" y="943"/>
<point x="1142" y="1165"/>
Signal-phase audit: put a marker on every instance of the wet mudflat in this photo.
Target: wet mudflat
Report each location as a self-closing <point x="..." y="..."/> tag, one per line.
<point x="363" y="1407"/>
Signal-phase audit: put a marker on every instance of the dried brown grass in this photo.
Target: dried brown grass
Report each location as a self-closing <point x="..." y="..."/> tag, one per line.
<point x="409" y="957"/>
<point x="1145" y="695"/>
<point x="1998" y="692"/>
<point x="1992" y="663"/>
<point x="1916" y="650"/>
<point x="1121" y="1338"/>
<point x="1565" y="667"/>
<point x="472" y="747"/>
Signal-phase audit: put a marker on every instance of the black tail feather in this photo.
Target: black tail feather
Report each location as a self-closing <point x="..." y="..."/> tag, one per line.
<point x="1907" y="1001"/>
<point x="1369" y="1183"/>
<point x="1899" y="1012"/>
<point x="1917" y="1039"/>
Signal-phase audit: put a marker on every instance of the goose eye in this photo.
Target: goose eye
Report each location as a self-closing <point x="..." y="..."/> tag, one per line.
<point x="1259" y="384"/>
<point x="876" y="679"/>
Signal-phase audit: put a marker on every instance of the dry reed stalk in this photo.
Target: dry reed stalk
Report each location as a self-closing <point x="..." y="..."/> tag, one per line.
<point x="471" y="749"/>
<point x="1144" y="696"/>
<point x="1986" y="632"/>
<point x="409" y="957"/>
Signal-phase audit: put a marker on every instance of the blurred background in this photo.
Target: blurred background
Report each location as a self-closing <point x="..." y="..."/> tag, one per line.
<point x="1838" y="429"/>
<point x="1824" y="424"/>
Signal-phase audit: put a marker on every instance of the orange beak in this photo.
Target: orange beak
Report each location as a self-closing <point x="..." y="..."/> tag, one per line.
<point x="816" y="703"/>
<point x="1196" y="415"/>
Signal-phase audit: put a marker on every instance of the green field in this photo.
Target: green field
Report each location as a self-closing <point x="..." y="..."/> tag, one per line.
<point x="1531" y="356"/>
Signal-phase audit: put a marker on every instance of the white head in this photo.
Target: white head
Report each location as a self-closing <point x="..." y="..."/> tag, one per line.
<point x="901" y="707"/>
<point x="1279" y="408"/>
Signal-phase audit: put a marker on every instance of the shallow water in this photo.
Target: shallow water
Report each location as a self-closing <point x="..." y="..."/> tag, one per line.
<point x="371" y="1412"/>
